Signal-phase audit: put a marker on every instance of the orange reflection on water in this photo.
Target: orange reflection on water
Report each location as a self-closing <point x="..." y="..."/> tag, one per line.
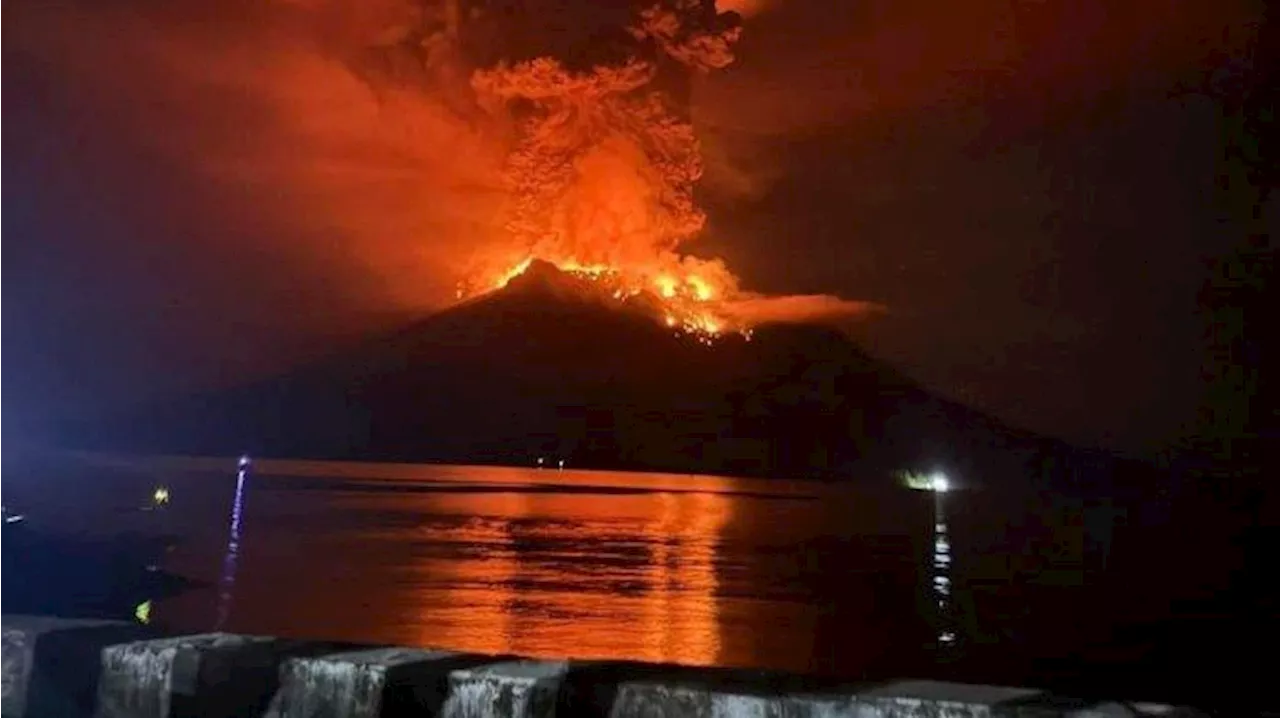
<point x="613" y="575"/>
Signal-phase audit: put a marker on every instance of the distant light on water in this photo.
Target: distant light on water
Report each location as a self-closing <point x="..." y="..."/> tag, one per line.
<point x="10" y="517"/>
<point x="944" y="618"/>
<point x="936" y="482"/>
<point x="227" y="583"/>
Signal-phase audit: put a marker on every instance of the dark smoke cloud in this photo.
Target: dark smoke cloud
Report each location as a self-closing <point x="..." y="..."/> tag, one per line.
<point x="210" y="188"/>
<point x="1026" y="186"/>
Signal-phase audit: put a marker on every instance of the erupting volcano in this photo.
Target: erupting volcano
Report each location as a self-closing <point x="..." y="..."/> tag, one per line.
<point x="688" y="304"/>
<point x="552" y="366"/>
<point x="581" y="331"/>
<point x="602" y="167"/>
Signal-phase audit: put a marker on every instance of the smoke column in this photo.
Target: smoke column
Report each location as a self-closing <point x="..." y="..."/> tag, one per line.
<point x="336" y="160"/>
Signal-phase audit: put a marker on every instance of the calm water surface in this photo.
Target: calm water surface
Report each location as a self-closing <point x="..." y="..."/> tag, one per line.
<point x="667" y="568"/>
<point x="1011" y="587"/>
<point x="789" y="575"/>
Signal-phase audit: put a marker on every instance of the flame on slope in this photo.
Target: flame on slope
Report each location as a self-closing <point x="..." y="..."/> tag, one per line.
<point x="690" y="300"/>
<point x="697" y="298"/>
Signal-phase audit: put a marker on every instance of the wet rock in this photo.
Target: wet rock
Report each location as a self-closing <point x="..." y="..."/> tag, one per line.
<point x="212" y="674"/>
<point x="937" y="699"/>
<point x="661" y="700"/>
<point x="517" y="689"/>
<point x="1111" y="709"/>
<point x="51" y="665"/>
<point x="366" y="683"/>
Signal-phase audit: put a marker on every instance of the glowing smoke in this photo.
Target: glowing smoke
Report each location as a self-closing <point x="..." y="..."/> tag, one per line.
<point x="317" y="133"/>
<point x="602" y="171"/>
<point x="760" y="309"/>
<point x="604" y="164"/>
<point x="337" y="152"/>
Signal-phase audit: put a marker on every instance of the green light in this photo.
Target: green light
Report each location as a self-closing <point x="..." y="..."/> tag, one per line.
<point x="916" y="481"/>
<point x="143" y="612"/>
<point x="936" y="482"/>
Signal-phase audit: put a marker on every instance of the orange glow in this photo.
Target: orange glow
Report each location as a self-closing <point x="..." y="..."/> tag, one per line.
<point x="600" y="175"/>
<point x="688" y="289"/>
<point x="512" y="273"/>
<point x="666" y="286"/>
<point x="666" y="598"/>
<point x="701" y="290"/>
<point x="602" y="166"/>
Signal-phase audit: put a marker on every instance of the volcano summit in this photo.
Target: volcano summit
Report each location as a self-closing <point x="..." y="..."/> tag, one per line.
<point x="555" y="366"/>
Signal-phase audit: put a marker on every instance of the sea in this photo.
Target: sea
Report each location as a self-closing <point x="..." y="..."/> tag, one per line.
<point x="856" y="580"/>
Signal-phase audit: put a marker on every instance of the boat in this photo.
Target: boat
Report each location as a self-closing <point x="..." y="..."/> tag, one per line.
<point x="9" y="517"/>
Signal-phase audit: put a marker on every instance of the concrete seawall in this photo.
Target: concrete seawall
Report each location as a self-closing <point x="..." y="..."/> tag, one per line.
<point x="75" y="668"/>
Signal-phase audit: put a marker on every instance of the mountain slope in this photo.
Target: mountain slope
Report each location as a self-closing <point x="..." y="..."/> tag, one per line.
<point x="551" y="367"/>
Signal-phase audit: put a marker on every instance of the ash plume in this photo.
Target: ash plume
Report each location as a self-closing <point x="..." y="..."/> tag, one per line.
<point x="604" y="161"/>
<point x="340" y="160"/>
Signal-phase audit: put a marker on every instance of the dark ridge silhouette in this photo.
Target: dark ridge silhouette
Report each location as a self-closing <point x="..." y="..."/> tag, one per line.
<point x="552" y="367"/>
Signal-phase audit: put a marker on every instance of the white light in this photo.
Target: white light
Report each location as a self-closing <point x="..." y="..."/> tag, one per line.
<point x="244" y="462"/>
<point x="940" y="483"/>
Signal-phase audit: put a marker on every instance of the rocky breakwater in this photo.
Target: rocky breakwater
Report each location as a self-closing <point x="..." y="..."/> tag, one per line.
<point x="55" y="667"/>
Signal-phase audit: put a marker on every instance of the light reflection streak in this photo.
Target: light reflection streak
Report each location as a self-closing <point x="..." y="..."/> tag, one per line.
<point x="942" y="588"/>
<point x="227" y="582"/>
<point x="629" y="572"/>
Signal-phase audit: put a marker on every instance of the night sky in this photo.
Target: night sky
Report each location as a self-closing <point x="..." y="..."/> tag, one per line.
<point x="1033" y="190"/>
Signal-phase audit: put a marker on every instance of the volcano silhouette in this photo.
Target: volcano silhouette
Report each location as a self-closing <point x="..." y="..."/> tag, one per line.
<point x="551" y="367"/>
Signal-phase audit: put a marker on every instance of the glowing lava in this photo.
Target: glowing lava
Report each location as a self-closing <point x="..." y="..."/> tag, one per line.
<point x="689" y="301"/>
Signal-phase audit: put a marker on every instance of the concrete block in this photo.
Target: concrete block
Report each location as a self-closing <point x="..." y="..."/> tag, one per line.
<point x="664" y="700"/>
<point x="517" y="689"/>
<point x="1134" y="710"/>
<point x="367" y="683"/>
<point x="212" y="674"/>
<point x="938" y="699"/>
<point x="51" y="665"/>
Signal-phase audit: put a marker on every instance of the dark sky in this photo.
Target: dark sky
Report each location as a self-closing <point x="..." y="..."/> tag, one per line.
<point x="1025" y="185"/>
<point x="200" y="191"/>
